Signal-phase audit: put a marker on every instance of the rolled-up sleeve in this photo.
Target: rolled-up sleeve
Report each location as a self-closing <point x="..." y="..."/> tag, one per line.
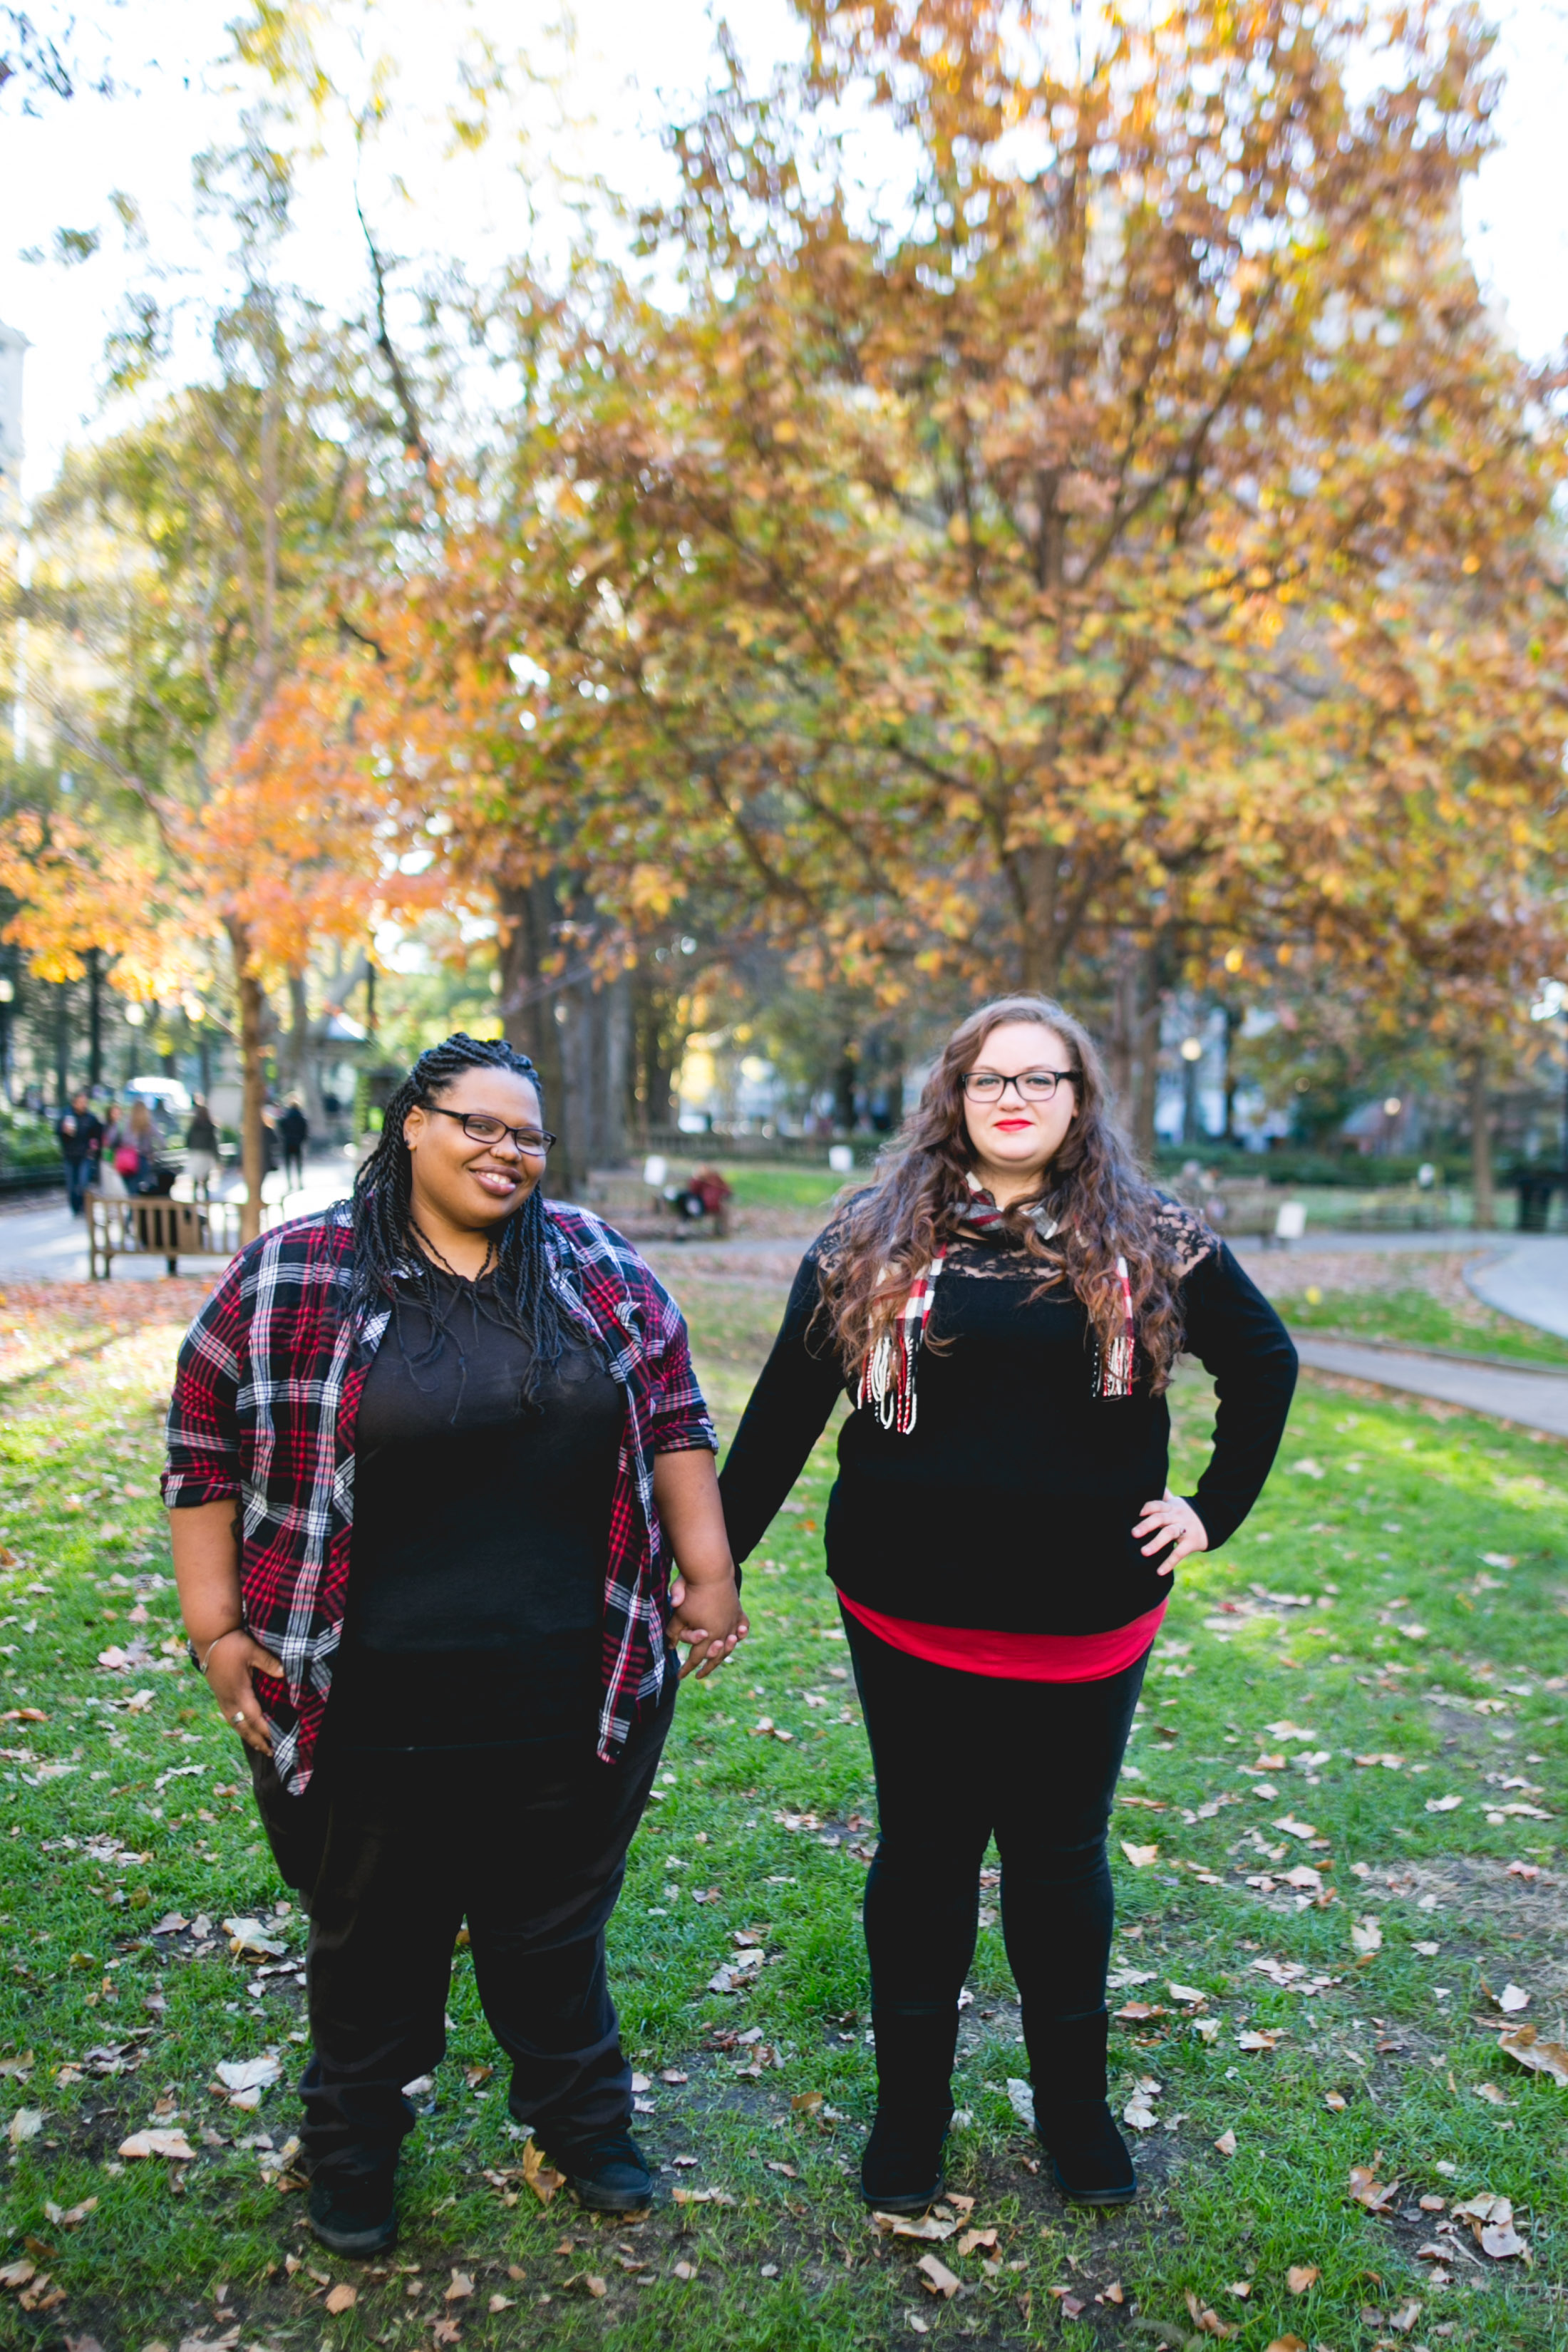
<point x="678" y="1419"/>
<point x="201" y="1437"/>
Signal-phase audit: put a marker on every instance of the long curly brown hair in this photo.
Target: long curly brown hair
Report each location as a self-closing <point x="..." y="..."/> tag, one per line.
<point x="1105" y="1208"/>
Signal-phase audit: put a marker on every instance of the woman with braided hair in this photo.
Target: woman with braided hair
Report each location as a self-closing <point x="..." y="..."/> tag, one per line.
<point x="443" y="1501"/>
<point x="1003" y="1306"/>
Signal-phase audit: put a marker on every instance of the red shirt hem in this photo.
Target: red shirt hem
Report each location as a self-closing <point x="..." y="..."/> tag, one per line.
<point x="1018" y="1658"/>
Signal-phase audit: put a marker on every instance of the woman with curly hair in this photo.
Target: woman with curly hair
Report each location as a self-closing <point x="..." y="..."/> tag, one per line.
<point x="1004" y="1304"/>
<point x="430" y="1455"/>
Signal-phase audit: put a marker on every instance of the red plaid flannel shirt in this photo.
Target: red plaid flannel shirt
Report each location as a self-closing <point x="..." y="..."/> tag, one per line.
<point x="266" y="1396"/>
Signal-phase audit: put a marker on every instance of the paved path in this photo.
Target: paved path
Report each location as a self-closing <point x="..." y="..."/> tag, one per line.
<point x="1534" y="1400"/>
<point x="45" y="1242"/>
<point x="1527" y="1278"/>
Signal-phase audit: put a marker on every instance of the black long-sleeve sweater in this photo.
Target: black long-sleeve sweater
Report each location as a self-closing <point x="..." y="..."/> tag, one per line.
<point x="1011" y="1504"/>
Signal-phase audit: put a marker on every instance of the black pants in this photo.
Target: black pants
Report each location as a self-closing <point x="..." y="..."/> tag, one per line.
<point x="960" y="1756"/>
<point x="80" y="1174"/>
<point x="293" y="1167"/>
<point x="390" y="1852"/>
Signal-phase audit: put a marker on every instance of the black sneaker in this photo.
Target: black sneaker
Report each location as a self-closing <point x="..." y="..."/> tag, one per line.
<point x="1089" y="2159"/>
<point x="607" y="2172"/>
<point x="901" y="2172"/>
<point x="355" y="2213"/>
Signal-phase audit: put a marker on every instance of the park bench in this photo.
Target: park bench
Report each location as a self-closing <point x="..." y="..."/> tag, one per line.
<point x="151" y="1225"/>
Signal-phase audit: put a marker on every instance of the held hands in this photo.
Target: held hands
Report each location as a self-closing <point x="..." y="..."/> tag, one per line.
<point x="1171" y="1517"/>
<point x="231" y="1660"/>
<point x="709" y="1617"/>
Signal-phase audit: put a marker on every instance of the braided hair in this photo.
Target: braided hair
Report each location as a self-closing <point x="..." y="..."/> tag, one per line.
<point x="522" y="1296"/>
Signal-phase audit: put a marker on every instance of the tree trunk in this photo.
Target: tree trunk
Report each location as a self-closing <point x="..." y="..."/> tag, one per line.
<point x="653" y="1057"/>
<point x="528" y="914"/>
<point x="1482" y="1189"/>
<point x="1150" y="1010"/>
<point x="1039" y="948"/>
<point x="303" y="1077"/>
<point x="1122" y="1053"/>
<point x="94" y="1019"/>
<point x="252" y="1079"/>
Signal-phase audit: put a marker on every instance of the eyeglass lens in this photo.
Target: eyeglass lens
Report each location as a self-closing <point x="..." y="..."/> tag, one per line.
<point x="491" y="1130"/>
<point x="1035" y="1085"/>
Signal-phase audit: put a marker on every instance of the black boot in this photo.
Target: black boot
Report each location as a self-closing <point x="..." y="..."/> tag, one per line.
<point x="901" y="2172"/>
<point x="355" y="2212"/>
<point x="1089" y="2159"/>
<point x="605" y="2170"/>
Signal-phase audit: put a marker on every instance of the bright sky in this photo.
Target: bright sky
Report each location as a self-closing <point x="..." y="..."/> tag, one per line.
<point x="596" y="117"/>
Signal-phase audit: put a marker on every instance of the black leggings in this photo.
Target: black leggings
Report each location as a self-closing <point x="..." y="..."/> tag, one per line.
<point x="959" y="1756"/>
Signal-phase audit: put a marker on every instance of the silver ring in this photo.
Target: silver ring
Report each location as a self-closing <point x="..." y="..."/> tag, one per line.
<point x="239" y="1717"/>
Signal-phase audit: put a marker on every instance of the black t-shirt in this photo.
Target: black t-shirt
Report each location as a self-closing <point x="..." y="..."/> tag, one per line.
<point x="1011" y="1504"/>
<point x="481" y="1532"/>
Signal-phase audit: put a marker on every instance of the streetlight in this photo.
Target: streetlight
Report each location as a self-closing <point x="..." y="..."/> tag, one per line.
<point x="1192" y="1052"/>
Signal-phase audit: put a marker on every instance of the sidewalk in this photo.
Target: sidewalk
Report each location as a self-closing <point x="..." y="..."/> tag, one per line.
<point x="45" y="1242"/>
<point x="1533" y="1400"/>
<point x="1527" y="1277"/>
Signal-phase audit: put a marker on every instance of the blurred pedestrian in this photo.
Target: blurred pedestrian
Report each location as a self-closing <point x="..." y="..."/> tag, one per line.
<point x="293" y="1134"/>
<point x="111" y="1182"/>
<point x="1002" y="1555"/>
<point x="137" y="1158"/>
<point x="80" y="1131"/>
<point x="203" y="1159"/>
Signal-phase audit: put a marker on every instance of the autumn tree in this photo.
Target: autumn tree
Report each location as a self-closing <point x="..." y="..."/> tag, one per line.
<point x="955" y="587"/>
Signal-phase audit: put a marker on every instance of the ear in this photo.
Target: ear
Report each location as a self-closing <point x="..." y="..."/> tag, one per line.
<point x="415" y="1123"/>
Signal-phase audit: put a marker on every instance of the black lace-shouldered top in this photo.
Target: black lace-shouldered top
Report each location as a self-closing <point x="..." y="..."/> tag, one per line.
<point x="1011" y="1504"/>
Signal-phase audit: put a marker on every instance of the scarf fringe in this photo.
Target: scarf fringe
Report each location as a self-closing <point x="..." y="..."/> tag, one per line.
<point x="888" y="1383"/>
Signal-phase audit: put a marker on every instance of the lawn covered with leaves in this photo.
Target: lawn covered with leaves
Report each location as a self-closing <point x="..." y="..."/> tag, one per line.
<point x="1338" y="1862"/>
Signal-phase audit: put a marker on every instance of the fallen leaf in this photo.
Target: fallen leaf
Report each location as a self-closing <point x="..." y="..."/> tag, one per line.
<point x="1500" y="2240"/>
<point x="1255" y="2039"/>
<point x="172" y="2144"/>
<point x="1511" y="1999"/>
<point x="1140" y="1856"/>
<point x="1207" y="2322"/>
<point x="1491" y="2094"/>
<point x="924" y="2226"/>
<point x="70" y="2217"/>
<point x="806" y="2103"/>
<point x="501" y="2303"/>
<point x="974" y="2238"/>
<point x="247" y="2073"/>
<point x="1335" y="2103"/>
<point x="1293" y="1828"/>
<point x="539" y="2176"/>
<point x="341" y="2297"/>
<point x="1366" y="1935"/>
<point x="936" y="2278"/>
<point x="1240" y="2288"/>
<point x="596" y="2285"/>
<point x="1139" y="2114"/>
<point x="1368" y="2190"/>
<point x="1021" y="2098"/>
<point x="1543" y="2057"/>
<point x="1302" y="2275"/>
<point x="461" y="2285"/>
<point x="1285" y="2344"/>
<point x="1225" y="2143"/>
<point x="683" y="2271"/>
<point x="445" y="2331"/>
<point x="25" y="2124"/>
<point x="1403" y="2320"/>
<point x="16" y="2275"/>
<point x="1444" y="1804"/>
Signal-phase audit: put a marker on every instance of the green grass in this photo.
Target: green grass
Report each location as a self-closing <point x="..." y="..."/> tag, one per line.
<point x="790" y="1187"/>
<point x="1416" y="1315"/>
<point x="1358" y="1606"/>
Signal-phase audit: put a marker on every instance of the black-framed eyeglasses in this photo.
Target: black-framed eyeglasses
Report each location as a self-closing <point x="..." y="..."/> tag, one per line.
<point x="533" y="1143"/>
<point x="1030" y="1086"/>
